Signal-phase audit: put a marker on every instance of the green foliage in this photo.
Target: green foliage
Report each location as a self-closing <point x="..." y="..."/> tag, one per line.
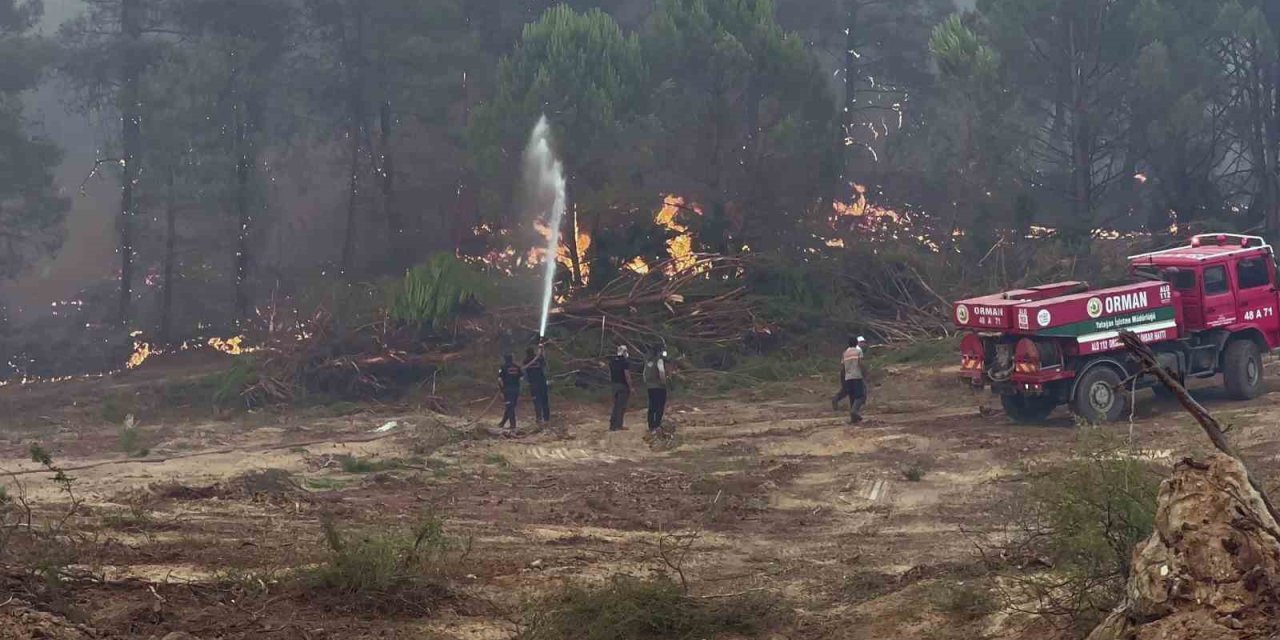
<point x="628" y="608"/>
<point x="577" y="68"/>
<point x="960" y="52"/>
<point x="398" y="572"/>
<point x="433" y="293"/>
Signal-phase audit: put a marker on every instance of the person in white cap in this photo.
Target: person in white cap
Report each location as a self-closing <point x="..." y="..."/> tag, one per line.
<point x="852" y="382"/>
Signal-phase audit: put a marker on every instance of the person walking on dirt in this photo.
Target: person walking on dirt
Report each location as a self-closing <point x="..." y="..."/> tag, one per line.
<point x="509" y="382"/>
<point x="843" y="391"/>
<point x="655" y="379"/>
<point x="535" y="372"/>
<point x="852" y="376"/>
<point x="620" y="379"/>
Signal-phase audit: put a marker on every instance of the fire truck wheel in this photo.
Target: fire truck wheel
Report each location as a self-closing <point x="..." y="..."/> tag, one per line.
<point x="1027" y="409"/>
<point x="1242" y="370"/>
<point x="1096" y="399"/>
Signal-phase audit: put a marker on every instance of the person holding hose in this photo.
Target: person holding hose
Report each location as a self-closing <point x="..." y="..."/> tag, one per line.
<point x="655" y="379"/>
<point x="535" y="372"/>
<point x="509" y="383"/>
<point x="620" y="379"/>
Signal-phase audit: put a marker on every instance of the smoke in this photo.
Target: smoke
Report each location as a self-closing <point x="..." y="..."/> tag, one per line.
<point x="543" y="188"/>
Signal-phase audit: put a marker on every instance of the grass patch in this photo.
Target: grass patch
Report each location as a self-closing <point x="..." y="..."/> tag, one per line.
<point x="762" y="369"/>
<point x="923" y="352"/>
<point x="867" y="585"/>
<point x="629" y="608"/>
<point x="913" y="473"/>
<point x="497" y="459"/>
<point x="963" y="601"/>
<point x="356" y="464"/>
<point x="324" y="484"/>
<point x="405" y="572"/>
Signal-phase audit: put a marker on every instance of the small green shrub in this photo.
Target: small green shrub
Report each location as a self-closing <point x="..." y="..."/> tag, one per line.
<point x="497" y="459"/>
<point x="431" y="294"/>
<point x="1083" y="517"/>
<point x="913" y="473"/>
<point x="398" y="572"/>
<point x="354" y="464"/>
<point x="130" y="440"/>
<point x="116" y="407"/>
<point x="963" y="601"/>
<point x="629" y="608"/>
<point x="229" y="387"/>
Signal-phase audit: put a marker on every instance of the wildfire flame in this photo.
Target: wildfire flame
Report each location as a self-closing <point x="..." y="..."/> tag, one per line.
<point x="141" y="351"/>
<point x="680" y="248"/>
<point x="231" y="346"/>
<point x="861" y="208"/>
<point x="564" y="255"/>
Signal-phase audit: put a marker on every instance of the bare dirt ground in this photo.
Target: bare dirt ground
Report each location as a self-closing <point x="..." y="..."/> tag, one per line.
<point x="848" y="525"/>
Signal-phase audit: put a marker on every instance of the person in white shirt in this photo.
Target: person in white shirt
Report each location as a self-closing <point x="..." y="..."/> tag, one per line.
<point x="852" y="382"/>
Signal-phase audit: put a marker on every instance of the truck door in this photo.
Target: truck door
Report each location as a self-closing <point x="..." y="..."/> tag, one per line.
<point x="1190" y="298"/>
<point x="1219" y="302"/>
<point x="1256" y="295"/>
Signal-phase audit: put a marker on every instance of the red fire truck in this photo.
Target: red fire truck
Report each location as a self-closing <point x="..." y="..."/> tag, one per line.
<point x="1207" y="308"/>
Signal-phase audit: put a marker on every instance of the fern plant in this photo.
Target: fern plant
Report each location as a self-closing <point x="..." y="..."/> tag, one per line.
<point x="432" y="293"/>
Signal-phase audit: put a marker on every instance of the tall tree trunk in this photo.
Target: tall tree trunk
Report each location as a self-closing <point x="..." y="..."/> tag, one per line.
<point x="852" y="72"/>
<point x="357" y="128"/>
<point x="170" y="231"/>
<point x="461" y="211"/>
<point x="1081" y="143"/>
<point x="244" y="168"/>
<point x="387" y="167"/>
<point x="131" y="143"/>
<point x="1271" y="118"/>
<point x="349" y="235"/>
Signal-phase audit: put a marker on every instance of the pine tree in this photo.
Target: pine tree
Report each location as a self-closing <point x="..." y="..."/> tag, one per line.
<point x="31" y="210"/>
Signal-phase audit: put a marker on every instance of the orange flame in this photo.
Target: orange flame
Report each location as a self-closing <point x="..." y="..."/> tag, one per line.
<point x="231" y="346"/>
<point x="564" y="255"/>
<point x="141" y="351"/>
<point x="680" y="248"/>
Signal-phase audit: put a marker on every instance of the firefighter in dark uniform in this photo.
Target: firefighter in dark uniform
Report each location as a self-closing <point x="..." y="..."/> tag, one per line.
<point x="509" y="380"/>
<point x="535" y="372"/>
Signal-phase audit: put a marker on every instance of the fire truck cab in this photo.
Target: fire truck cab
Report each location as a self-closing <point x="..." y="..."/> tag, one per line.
<point x="1207" y="308"/>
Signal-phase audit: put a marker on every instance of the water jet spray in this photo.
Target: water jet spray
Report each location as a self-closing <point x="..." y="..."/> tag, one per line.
<point x="545" y="185"/>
